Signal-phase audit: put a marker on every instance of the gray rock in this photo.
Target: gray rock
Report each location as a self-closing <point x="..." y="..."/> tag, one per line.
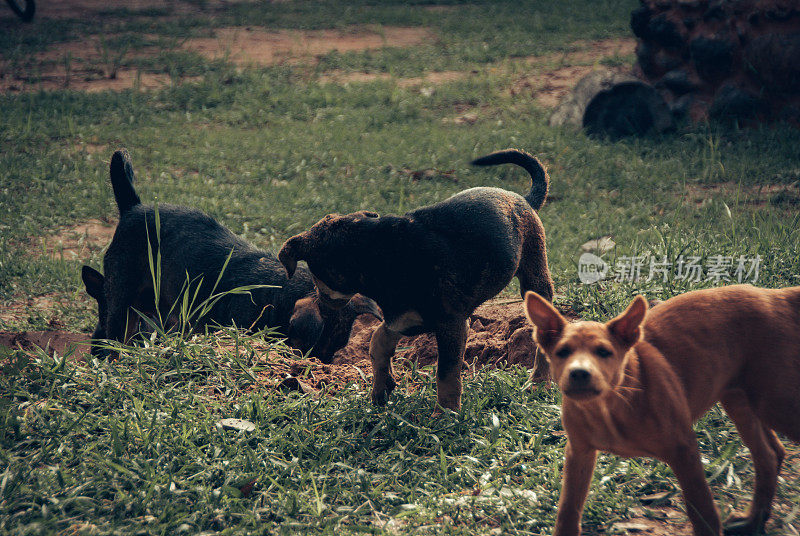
<point x="732" y="102"/>
<point x="713" y="58"/>
<point x="600" y="245"/>
<point x="615" y="105"/>
<point x="645" y="57"/>
<point x="665" y="32"/>
<point x="716" y="11"/>
<point x="640" y="18"/>
<point x="570" y="110"/>
<point x="681" y="106"/>
<point x="666" y="60"/>
<point x="775" y="60"/>
<point x="236" y="424"/>
<point x="678" y="82"/>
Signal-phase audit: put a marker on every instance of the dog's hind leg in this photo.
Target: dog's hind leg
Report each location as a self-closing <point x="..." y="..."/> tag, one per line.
<point x="533" y="272"/>
<point x="534" y="275"/>
<point x="381" y="349"/>
<point x="450" y="339"/>
<point x="767" y="453"/>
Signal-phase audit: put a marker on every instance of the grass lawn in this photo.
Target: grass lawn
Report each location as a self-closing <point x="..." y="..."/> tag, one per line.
<point x="132" y="446"/>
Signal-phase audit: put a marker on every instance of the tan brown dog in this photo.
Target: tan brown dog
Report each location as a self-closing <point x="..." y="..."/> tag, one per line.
<point x="634" y="386"/>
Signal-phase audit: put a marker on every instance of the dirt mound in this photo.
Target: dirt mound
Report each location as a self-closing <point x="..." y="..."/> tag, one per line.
<point x="60" y="342"/>
<point x="246" y="46"/>
<point x="499" y="335"/>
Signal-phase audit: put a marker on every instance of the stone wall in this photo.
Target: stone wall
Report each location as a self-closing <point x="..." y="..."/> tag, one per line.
<point x="723" y="59"/>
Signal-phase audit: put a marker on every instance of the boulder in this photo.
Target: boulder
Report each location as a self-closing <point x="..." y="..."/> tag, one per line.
<point x="612" y="104"/>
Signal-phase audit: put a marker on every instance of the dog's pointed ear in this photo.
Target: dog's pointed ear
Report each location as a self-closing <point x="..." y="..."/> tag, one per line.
<point x="626" y="327"/>
<point x="94" y="281"/>
<point x="292" y="251"/>
<point x="548" y="321"/>
<point x="364" y="306"/>
<point x="122" y="165"/>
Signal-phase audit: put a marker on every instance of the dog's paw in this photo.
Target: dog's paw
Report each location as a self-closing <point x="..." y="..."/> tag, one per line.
<point x="447" y="405"/>
<point x="439" y="412"/>
<point x="380" y="394"/>
<point x="104" y="353"/>
<point x="740" y="524"/>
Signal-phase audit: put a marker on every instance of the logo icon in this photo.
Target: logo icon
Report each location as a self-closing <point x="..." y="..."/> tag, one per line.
<point x="591" y="268"/>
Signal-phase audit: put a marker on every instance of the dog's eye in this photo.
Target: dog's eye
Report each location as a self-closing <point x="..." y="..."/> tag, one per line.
<point x="603" y="352"/>
<point x="564" y="352"/>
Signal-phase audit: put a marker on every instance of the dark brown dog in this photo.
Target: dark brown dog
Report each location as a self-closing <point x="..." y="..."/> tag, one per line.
<point x="429" y="269"/>
<point x="634" y="386"/>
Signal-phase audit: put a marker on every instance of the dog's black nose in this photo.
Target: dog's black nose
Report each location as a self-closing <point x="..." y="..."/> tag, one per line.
<point x="579" y="376"/>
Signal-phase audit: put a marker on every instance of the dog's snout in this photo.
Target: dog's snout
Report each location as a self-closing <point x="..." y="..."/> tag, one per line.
<point x="579" y="376"/>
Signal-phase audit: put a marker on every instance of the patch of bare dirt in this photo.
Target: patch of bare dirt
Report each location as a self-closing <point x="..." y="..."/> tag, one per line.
<point x="76" y="9"/>
<point x="90" y="65"/>
<point x="91" y="81"/>
<point x="434" y="78"/>
<point x="781" y="195"/>
<point x="588" y="51"/>
<point x="79" y="241"/>
<point x="60" y="342"/>
<point x="87" y="65"/>
<point x="43" y="306"/>
<point x="247" y="46"/>
<point x="92" y="148"/>
<point x="499" y="336"/>
<point x="441" y="8"/>
<point x="552" y="86"/>
<point x="670" y="520"/>
<point x="441" y="77"/>
<point x="661" y="521"/>
<point x="549" y="85"/>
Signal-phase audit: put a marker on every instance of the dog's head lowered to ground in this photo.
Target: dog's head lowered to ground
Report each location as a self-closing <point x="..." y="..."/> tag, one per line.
<point x="94" y="283"/>
<point x="322" y="330"/>
<point x="331" y="249"/>
<point x="587" y="359"/>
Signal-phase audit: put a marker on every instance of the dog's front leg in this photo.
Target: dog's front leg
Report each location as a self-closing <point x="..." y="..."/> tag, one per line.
<point x="381" y="350"/>
<point x="579" y="463"/>
<point x="450" y="340"/>
<point x="684" y="459"/>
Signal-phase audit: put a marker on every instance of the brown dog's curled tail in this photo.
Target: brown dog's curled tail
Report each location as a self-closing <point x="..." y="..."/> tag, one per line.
<point x="540" y="182"/>
<point x="121" y="171"/>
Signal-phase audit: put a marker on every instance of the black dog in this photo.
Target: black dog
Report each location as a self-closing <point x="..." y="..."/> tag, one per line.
<point x="430" y="269"/>
<point x="194" y="248"/>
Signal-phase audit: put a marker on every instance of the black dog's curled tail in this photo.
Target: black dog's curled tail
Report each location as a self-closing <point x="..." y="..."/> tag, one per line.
<point x="540" y="182"/>
<point x="122" y="181"/>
